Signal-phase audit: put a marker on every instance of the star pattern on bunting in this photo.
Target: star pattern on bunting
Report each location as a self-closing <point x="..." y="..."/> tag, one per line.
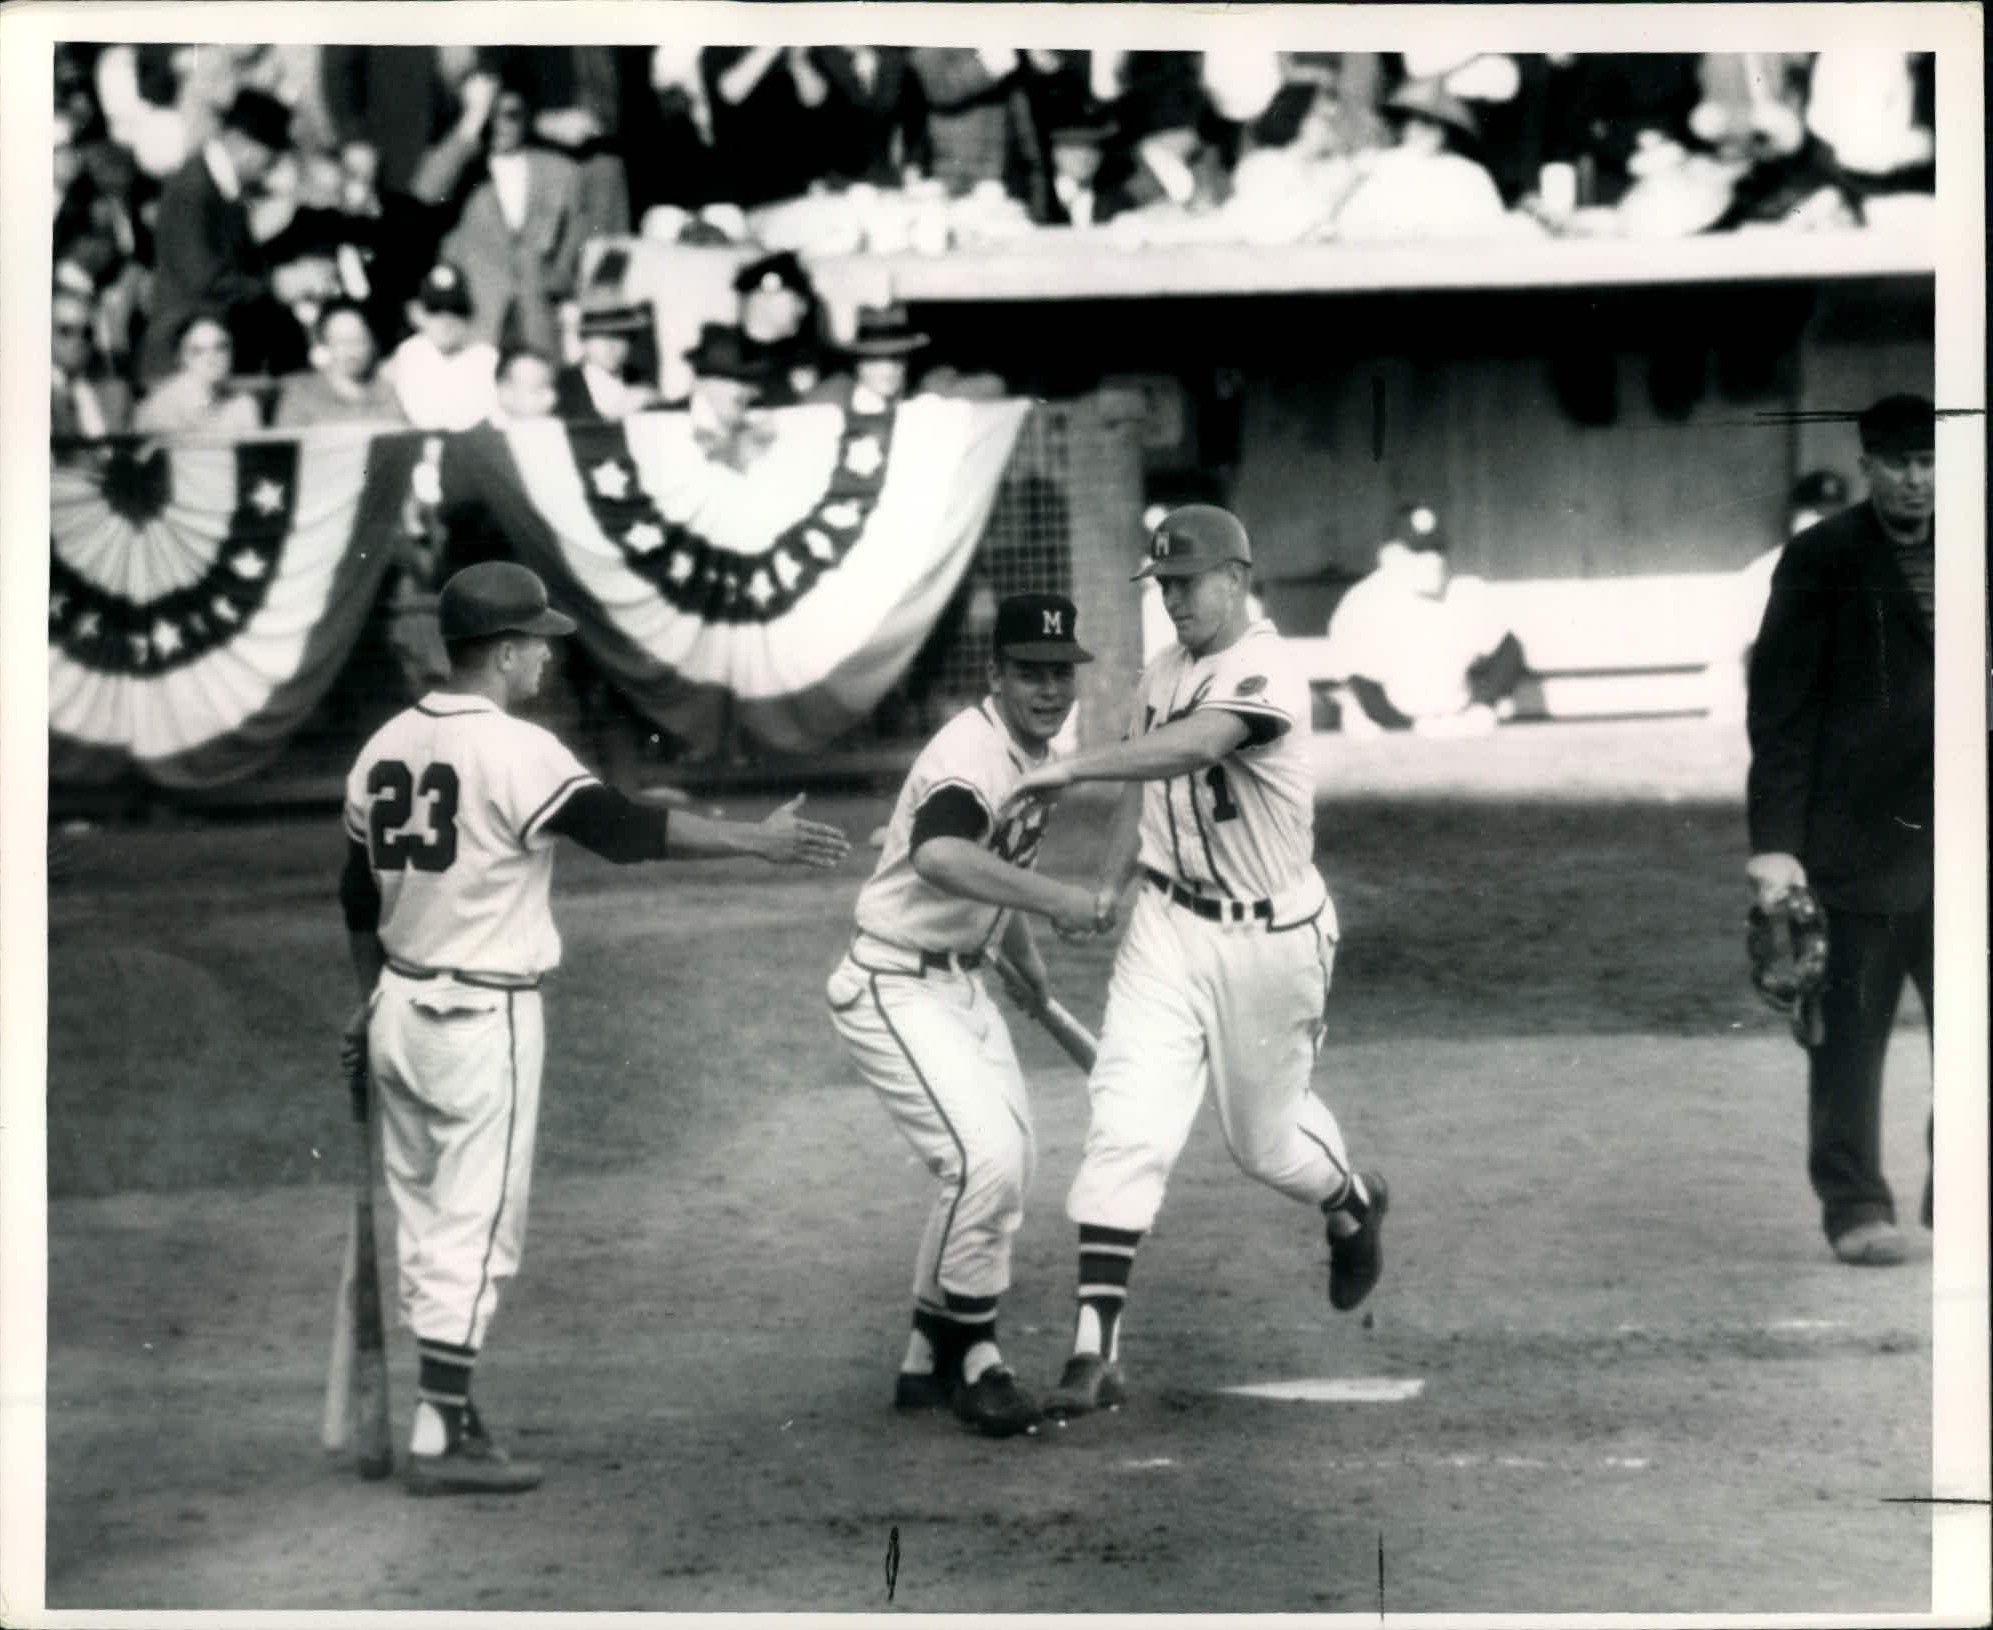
<point x="266" y="498"/>
<point x="165" y="637"/>
<point x="644" y="537"/>
<point x="864" y="456"/>
<point x="680" y="567"/>
<point x="610" y="480"/>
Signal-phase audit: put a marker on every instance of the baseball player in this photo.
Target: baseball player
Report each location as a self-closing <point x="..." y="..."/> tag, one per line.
<point x="956" y="876"/>
<point x="452" y="812"/>
<point x="1223" y="973"/>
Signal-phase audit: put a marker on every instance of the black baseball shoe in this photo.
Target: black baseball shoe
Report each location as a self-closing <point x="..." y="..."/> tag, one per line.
<point x="995" y="1405"/>
<point x="472" y="1464"/>
<point x="1088" y="1382"/>
<point x="918" y="1390"/>
<point x="1356" y="1262"/>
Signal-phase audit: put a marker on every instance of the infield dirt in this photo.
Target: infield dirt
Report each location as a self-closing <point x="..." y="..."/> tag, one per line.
<point x="1647" y="1386"/>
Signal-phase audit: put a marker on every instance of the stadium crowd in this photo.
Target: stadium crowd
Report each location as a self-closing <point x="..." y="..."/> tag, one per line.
<point x="248" y="235"/>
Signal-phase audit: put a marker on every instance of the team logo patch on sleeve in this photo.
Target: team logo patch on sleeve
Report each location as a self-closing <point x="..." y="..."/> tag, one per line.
<point x="1251" y="685"/>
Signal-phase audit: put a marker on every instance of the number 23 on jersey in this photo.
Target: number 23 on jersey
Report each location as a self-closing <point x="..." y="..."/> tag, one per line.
<point x="395" y="840"/>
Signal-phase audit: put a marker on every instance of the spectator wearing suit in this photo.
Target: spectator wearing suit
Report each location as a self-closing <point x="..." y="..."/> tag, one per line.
<point x="343" y="386"/>
<point x="518" y="240"/>
<point x="206" y="256"/>
<point x="727" y="379"/>
<point x="84" y="399"/>
<point x="880" y="354"/>
<point x="599" y="387"/>
<point x="780" y="323"/>
<point x="197" y="398"/>
<point x="443" y="376"/>
<point x="869" y="123"/>
<point x="1839" y="796"/>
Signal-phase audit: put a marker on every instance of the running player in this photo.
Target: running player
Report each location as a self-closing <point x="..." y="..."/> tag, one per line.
<point x="1224" y="971"/>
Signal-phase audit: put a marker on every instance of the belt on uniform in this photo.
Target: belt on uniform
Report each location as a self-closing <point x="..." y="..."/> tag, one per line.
<point x="465" y="976"/>
<point x="965" y="961"/>
<point x="1217" y="911"/>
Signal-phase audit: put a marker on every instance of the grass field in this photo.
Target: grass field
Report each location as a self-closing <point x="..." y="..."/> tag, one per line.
<point x="1646" y="1385"/>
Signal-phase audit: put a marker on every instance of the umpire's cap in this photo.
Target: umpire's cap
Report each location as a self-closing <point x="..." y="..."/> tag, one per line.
<point x="1193" y="539"/>
<point x="1038" y="628"/>
<point x="496" y="597"/>
<point x="1898" y="425"/>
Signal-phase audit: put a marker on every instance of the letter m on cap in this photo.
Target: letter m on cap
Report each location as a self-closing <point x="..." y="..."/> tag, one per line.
<point x="1055" y="622"/>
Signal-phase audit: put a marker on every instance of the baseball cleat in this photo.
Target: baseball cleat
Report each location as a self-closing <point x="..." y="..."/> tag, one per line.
<point x="473" y="1465"/>
<point x="915" y="1389"/>
<point x="1357" y="1262"/>
<point x="995" y="1405"/>
<point x="1088" y="1382"/>
<point x="1871" y="1245"/>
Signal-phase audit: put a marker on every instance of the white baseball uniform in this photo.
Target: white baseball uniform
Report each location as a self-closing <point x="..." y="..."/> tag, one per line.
<point x="452" y="798"/>
<point x="908" y="1004"/>
<point x="1224" y="970"/>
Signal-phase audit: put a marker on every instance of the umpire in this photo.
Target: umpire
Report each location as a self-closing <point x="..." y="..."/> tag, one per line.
<point x="1840" y="796"/>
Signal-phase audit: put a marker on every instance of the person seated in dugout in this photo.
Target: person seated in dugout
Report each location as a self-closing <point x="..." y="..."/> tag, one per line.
<point x="780" y="323"/>
<point x="599" y="385"/>
<point x="726" y="384"/>
<point x="1413" y="647"/>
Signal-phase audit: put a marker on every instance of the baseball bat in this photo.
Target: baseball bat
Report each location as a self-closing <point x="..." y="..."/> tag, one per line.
<point x="335" y="1429"/>
<point x="373" y="1451"/>
<point x="1074" y="1039"/>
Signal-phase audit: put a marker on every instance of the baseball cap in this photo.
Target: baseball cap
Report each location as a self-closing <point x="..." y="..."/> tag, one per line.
<point x="496" y="597"/>
<point x="444" y="291"/>
<point x="1418" y="528"/>
<point x="1899" y="424"/>
<point x="1193" y="539"/>
<point x="1038" y="628"/>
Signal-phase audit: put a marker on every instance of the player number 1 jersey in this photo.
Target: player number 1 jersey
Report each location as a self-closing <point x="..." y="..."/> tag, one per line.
<point x="1245" y="827"/>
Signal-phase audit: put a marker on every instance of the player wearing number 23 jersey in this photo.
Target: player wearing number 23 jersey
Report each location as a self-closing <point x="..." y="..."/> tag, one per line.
<point x="452" y="813"/>
<point x="1223" y="974"/>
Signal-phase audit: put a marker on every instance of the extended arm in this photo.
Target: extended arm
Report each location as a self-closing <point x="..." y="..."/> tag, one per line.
<point x="1787" y="682"/>
<point x="963" y="867"/>
<point x="1178" y="748"/>
<point x="1124" y="844"/>
<point x="623" y="831"/>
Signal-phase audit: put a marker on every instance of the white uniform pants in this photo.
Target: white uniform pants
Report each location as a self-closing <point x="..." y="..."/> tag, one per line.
<point x="935" y="1049"/>
<point x="1192" y="1002"/>
<point x="456" y="1073"/>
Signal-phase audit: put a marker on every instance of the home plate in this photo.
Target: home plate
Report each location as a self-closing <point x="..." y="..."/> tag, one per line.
<point x="1335" y="1389"/>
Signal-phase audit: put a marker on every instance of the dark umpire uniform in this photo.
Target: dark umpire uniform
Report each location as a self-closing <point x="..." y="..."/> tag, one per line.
<point x="1840" y="721"/>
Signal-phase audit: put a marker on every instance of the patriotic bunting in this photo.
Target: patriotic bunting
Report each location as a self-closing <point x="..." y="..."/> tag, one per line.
<point x="202" y="599"/>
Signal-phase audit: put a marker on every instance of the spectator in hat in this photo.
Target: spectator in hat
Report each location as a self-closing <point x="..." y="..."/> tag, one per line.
<point x="1413" y="647"/>
<point x="442" y="374"/>
<point x="780" y="323"/>
<point x="599" y="386"/>
<point x="518" y="239"/>
<point x="880" y="357"/>
<point x="727" y="381"/>
<point x="1076" y="154"/>
<point x="85" y="399"/>
<point x="344" y="385"/>
<point x="198" y="398"/>
<point x="1427" y="185"/>
<point x="206" y="257"/>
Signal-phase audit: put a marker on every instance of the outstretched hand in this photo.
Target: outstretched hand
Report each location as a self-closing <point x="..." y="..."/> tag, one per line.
<point x="789" y="840"/>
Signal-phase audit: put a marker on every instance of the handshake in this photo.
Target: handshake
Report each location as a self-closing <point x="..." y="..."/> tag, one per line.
<point x="1084" y="913"/>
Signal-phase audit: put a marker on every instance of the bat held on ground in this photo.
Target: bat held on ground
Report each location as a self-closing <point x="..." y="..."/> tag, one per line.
<point x="356" y="1381"/>
<point x="1074" y="1039"/>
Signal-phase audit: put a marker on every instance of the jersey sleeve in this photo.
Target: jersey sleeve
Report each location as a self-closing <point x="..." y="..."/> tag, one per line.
<point x="353" y="816"/>
<point x="539" y="776"/>
<point x="951" y="810"/>
<point x="1255" y="680"/>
